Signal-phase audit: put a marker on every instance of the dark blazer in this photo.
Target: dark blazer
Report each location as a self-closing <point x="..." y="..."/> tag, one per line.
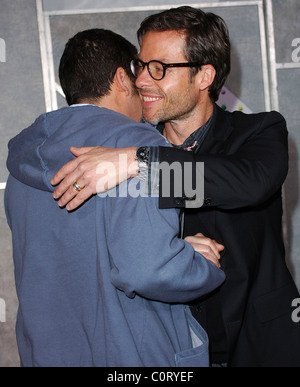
<point x="245" y="164"/>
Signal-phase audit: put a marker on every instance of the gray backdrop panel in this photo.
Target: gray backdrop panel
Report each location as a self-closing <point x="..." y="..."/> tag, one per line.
<point x="244" y="33"/>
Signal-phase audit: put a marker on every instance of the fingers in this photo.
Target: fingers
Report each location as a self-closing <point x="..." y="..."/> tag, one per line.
<point x="207" y="247"/>
<point x="64" y="171"/>
<point x="72" y="198"/>
<point x="210" y="257"/>
<point x="79" y="199"/>
<point x="69" y="194"/>
<point x="80" y="151"/>
<point x="68" y="168"/>
<point x="217" y="247"/>
<point x="212" y="244"/>
<point x="73" y="171"/>
<point x="68" y="179"/>
<point x="95" y="170"/>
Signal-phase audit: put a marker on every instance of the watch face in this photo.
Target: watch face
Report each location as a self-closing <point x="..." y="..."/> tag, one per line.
<point x="143" y="153"/>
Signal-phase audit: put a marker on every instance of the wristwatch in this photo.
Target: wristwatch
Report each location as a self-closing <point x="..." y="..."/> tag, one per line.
<point x="142" y="156"/>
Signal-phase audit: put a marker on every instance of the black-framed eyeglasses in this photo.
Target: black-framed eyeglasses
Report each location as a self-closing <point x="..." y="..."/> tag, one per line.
<point x="156" y="69"/>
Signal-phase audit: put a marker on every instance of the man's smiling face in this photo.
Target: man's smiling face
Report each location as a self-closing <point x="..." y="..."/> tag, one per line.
<point x="175" y="96"/>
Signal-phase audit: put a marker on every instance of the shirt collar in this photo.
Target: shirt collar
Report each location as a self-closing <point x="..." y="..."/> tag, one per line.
<point x="195" y="140"/>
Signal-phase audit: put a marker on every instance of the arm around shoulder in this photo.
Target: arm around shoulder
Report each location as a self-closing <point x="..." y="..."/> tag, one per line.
<point x="246" y="168"/>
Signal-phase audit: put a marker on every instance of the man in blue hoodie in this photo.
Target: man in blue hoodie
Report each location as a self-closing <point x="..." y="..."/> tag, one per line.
<point x="105" y="285"/>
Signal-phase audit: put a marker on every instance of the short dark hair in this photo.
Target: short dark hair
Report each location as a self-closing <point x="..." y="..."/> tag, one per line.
<point x="90" y="61"/>
<point x="207" y="39"/>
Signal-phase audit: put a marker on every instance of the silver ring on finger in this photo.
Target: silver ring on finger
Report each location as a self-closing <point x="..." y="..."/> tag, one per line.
<point x="77" y="187"/>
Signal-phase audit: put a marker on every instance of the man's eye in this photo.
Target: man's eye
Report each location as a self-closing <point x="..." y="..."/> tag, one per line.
<point x="138" y="68"/>
<point x="157" y="68"/>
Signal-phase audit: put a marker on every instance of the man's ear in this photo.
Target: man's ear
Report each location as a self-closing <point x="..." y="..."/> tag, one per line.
<point x="206" y="76"/>
<point x="122" y="81"/>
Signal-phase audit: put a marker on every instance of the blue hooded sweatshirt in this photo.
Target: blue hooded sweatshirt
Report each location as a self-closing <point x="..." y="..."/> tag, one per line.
<point x="105" y="285"/>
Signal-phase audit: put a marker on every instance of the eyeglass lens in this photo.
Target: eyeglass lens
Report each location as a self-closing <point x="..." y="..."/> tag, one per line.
<point x="155" y="69"/>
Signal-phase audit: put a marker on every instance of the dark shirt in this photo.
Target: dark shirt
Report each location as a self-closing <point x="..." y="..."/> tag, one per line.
<point x="195" y="140"/>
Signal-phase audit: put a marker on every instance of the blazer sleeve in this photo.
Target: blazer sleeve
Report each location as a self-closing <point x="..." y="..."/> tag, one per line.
<point x="247" y="173"/>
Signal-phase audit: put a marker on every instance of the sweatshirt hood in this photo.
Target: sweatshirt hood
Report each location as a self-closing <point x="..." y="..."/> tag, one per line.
<point x="39" y="151"/>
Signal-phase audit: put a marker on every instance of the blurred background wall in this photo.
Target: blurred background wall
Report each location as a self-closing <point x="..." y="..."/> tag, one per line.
<point x="265" y="76"/>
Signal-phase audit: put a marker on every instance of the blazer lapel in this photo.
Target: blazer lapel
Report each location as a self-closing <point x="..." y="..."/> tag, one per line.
<point x="218" y="133"/>
<point x="214" y="143"/>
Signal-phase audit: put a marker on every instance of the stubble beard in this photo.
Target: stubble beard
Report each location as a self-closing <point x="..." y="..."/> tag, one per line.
<point x="177" y="109"/>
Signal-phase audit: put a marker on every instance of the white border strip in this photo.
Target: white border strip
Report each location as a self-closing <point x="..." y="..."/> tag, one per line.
<point x="2" y="186"/>
<point x="51" y="71"/>
<point x="152" y="8"/>
<point x="283" y="66"/>
<point x="44" y="59"/>
<point x="264" y="56"/>
<point x="272" y="55"/>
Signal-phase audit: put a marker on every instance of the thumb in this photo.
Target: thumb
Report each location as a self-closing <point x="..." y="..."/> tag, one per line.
<point x="220" y="247"/>
<point x="80" y="151"/>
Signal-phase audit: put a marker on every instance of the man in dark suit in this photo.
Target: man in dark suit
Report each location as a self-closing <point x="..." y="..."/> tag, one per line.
<point x="248" y="319"/>
<point x="245" y="157"/>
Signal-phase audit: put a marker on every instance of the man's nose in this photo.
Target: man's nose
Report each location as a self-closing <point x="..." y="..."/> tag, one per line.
<point x="144" y="79"/>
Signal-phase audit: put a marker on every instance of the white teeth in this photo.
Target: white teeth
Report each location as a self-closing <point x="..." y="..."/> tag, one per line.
<point x="150" y="99"/>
